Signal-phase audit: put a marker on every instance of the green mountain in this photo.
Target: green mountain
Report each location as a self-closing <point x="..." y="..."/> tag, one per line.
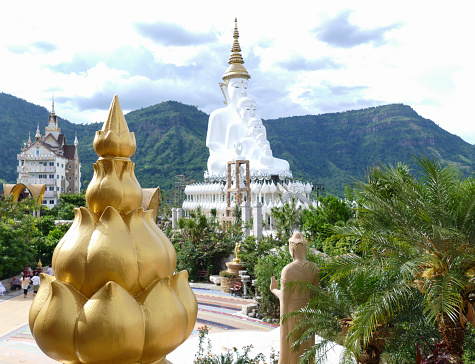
<point x="329" y="149"/>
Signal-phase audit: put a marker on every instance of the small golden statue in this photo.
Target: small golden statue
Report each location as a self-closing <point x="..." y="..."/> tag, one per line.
<point x="236" y="252"/>
<point x="115" y="297"/>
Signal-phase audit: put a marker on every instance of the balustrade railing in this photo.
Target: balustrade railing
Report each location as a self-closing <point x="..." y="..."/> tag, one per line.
<point x="34" y="168"/>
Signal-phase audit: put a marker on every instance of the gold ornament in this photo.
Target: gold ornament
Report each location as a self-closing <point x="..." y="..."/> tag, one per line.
<point x="236" y="68"/>
<point x="115" y="297"/>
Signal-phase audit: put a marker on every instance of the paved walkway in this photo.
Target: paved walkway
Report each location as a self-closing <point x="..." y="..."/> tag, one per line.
<point x="220" y="311"/>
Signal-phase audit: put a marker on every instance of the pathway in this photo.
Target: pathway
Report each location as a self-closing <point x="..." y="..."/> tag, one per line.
<point x="220" y="311"/>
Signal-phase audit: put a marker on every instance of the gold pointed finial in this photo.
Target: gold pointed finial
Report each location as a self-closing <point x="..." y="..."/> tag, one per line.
<point x="236" y="68"/>
<point x="115" y="279"/>
<point x="114" y="171"/>
<point x="114" y="139"/>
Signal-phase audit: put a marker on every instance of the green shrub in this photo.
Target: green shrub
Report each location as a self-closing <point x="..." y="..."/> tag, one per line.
<point x="469" y="345"/>
<point x="201" y="243"/>
<point x="252" y="250"/>
<point x="266" y="267"/>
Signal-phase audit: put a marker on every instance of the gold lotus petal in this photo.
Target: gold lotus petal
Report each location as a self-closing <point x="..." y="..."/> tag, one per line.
<point x="93" y="198"/>
<point x="111" y="254"/>
<point x="166" y="320"/>
<point x="132" y="192"/>
<point x="69" y="259"/>
<point x="110" y="327"/>
<point x="152" y="256"/>
<point x="148" y="215"/>
<point x="40" y="299"/>
<point x="182" y="288"/>
<point x="56" y="322"/>
<point x="116" y="188"/>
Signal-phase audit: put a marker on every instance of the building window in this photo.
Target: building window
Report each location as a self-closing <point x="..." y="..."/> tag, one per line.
<point x="51" y="164"/>
<point x="69" y="189"/>
<point x="57" y="176"/>
<point x="37" y="152"/>
<point x="57" y="189"/>
<point x="69" y="166"/>
<point x="76" y="189"/>
<point x="44" y="202"/>
<point x="57" y="164"/>
<point x="45" y="163"/>
<point x="51" y="202"/>
<point x="69" y="178"/>
<point x="62" y="177"/>
<point x="62" y="189"/>
<point x="51" y="188"/>
<point x="62" y="165"/>
<point x="76" y="178"/>
<point x="51" y="176"/>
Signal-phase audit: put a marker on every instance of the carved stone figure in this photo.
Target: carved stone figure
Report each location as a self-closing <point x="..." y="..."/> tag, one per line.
<point x="292" y="299"/>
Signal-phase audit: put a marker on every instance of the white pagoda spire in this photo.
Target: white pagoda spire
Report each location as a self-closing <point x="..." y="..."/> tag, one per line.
<point x="38" y="134"/>
<point x="76" y="142"/>
<point x="29" y="138"/>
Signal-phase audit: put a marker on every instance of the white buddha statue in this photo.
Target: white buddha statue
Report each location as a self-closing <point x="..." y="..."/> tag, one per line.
<point x="238" y="129"/>
<point x="230" y="133"/>
<point x="257" y="149"/>
<point x="235" y="80"/>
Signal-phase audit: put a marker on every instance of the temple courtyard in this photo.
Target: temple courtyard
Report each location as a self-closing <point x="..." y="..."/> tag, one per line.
<point x="220" y="311"/>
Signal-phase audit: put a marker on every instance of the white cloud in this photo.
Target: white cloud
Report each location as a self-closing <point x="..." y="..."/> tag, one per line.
<point x="303" y="57"/>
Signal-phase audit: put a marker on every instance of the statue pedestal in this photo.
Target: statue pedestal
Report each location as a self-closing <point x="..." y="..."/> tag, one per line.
<point x="234" y="268"/>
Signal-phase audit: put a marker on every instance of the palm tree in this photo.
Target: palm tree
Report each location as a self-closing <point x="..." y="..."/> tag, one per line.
<point x="426" y="224"/>
<point x="354" y="307"/>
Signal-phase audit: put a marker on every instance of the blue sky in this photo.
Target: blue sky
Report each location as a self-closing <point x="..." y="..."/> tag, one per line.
<point x="304" y="57"/>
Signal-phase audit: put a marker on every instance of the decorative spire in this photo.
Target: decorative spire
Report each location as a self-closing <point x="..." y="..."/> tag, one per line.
<point x="29" y="138"/>
<point x="236" y="68"/>
<point x="53" y="120"/>
<point x="114" y="139"/>
<point x="76" y="142"/>
<point x="38" y="134"/>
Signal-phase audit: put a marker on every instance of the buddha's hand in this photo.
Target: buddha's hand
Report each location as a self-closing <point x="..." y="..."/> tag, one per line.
<point x="273" y="283"/>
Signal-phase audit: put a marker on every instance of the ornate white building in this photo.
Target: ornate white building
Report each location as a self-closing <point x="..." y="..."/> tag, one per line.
<point x="51" y="161"/>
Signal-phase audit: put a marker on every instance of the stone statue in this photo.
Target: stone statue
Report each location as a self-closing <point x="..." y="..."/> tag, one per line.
<point x="292" y="299"/>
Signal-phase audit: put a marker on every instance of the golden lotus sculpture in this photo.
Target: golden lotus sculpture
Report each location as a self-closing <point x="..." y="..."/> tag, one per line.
<point x="115" y="297"/>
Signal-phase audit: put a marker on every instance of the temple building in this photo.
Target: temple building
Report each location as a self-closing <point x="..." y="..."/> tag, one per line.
<point x="51" y="161"/>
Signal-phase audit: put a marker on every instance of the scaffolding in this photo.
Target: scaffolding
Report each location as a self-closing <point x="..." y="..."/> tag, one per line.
<point x="177" y="196"/>
<point x="236" y="190"/>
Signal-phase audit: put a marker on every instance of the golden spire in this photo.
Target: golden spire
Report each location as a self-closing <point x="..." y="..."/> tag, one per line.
<point x="114" y="172"/>
<point x="114" y="139"/>
<point x="114" y="297"/>
<point x="236" y="68"/>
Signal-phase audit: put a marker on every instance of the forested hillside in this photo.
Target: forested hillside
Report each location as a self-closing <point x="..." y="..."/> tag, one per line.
<point x="330" y="149"/>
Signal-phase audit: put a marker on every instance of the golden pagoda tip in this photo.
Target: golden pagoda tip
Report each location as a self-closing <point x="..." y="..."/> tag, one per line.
<point x="115" y="120"/>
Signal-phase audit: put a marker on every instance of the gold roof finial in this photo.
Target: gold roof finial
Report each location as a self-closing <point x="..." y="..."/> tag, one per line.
<point x="236" y="68"/>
